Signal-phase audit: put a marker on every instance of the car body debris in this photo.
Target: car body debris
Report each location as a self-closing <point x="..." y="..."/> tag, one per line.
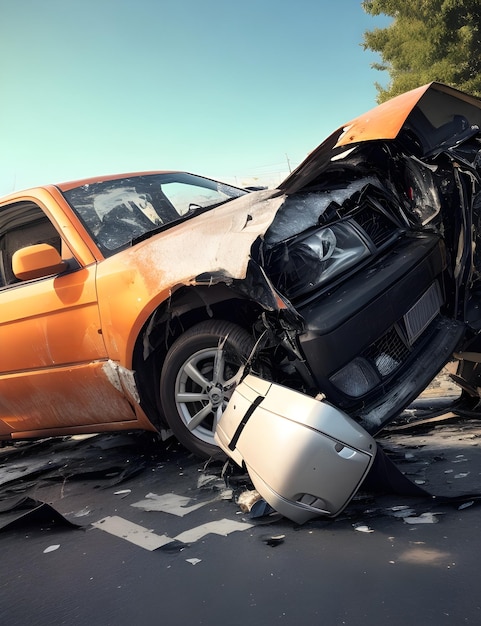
<point x="363" y="528"/>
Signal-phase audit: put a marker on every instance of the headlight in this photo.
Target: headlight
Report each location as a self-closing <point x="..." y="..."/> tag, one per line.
<point x="305" y="263"/>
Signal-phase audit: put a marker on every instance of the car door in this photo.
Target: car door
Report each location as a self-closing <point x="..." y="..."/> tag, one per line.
<point x="54" y="369"/>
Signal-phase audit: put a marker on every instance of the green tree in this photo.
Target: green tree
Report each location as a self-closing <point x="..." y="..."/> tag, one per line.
<point x="427" y="40"/>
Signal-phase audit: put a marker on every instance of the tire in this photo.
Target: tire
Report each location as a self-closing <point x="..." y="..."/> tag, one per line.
<point x="192" y="396"/>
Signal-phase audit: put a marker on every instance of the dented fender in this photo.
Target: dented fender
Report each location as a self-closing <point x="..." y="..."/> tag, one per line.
<point x="160" y="265"/>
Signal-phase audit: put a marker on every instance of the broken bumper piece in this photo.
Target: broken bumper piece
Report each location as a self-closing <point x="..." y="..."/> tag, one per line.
<point x="305" y="457"/>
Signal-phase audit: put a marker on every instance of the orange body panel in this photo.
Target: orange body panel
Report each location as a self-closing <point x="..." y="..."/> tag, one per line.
<point x="54" y="321"/>
<point x="92" y="400"/>
<point x="382" y="122"/>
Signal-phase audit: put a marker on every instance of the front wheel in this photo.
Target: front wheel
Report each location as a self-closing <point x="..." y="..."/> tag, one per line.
<point x="198" y="377"/>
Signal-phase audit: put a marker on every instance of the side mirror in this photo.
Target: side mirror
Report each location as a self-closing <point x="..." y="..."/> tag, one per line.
<point x="37" y="261"/>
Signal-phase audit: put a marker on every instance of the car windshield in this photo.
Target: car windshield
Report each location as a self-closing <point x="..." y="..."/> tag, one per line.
<point x="117" y="211"/>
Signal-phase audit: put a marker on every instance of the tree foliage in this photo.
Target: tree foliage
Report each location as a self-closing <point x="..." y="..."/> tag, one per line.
<point x="427" y="40"/>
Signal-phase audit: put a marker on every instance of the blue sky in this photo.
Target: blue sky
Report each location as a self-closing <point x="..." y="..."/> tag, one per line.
<point x="237" y="91"/>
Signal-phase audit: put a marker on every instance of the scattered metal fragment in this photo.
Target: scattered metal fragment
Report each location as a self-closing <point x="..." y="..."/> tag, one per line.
<point x="465" y="505"/>
<point x="83" y="512"/>
<point x="401" y="511"/>
<point x="51" y="548"/>
<point x="211" y="481"/>
<point x="194" y="561"/>
<point x="363" y="528"/>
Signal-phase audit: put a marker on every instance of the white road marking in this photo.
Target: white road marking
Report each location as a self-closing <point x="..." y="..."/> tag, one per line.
<point x="134" y="533"/>
<point x="145" y="538"/>
<point x="221" y="527"/>
<point x="169" y="503"/>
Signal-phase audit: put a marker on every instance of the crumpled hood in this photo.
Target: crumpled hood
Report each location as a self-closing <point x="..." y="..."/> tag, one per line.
<point x="214" y="243"/>
<point x="422" y="111"/>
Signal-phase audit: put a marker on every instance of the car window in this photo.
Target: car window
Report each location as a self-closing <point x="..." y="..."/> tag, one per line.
<point x="185" y="197"/>
<point x="118" y="211"/>
<point x="22" y="224"/>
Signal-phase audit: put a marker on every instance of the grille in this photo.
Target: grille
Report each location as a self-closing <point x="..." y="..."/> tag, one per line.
<point x="377" y="226"/>
<point x="423" y="312"/>
<point x="387" y="353"/>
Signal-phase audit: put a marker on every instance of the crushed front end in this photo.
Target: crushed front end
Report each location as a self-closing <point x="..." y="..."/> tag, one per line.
<point x="376" y="249"/>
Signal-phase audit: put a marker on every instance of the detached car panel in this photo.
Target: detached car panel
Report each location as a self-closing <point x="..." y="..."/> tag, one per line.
<point x="305" y="457"/>
<point x="141" y="300"/>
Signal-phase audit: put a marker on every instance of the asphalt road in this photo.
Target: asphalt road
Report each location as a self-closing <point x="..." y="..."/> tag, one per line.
<point x="79" y="544"/>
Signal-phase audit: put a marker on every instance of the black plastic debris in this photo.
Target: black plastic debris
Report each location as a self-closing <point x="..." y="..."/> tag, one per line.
<point x="274" y="540"/>
<point x="25" y="511"/>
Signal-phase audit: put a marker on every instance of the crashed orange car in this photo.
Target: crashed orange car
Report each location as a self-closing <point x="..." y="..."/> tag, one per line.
<point x="139" y="301"/>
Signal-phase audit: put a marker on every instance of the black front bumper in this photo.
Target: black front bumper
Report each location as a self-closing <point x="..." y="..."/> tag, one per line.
<point x="366" y="312"/>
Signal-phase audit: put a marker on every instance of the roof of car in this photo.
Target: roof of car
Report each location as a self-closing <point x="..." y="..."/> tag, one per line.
<point x="65" y="186"/>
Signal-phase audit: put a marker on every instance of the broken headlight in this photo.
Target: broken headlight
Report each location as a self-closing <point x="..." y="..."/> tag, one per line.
<point x="307" y="262"/>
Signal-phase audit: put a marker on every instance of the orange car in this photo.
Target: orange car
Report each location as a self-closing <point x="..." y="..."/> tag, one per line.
<point x="140" y="300"/>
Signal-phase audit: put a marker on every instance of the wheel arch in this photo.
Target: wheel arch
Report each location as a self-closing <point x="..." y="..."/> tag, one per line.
<point x="186" y="307"/>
